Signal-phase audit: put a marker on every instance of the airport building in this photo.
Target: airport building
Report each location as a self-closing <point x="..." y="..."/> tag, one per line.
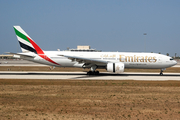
<point x="6" y="57"/>
<point x="80" y="48"/>
<point x="86" y="48"/>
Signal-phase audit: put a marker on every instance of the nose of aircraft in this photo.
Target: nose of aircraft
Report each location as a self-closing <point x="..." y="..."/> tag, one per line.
<point x="174" y="62"/>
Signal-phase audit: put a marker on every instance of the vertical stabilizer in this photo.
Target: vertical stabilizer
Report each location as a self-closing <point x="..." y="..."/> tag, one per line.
<point x="26" y="43"/>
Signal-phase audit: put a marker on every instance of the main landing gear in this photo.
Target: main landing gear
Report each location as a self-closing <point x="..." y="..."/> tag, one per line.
<point x="92" y="71"/>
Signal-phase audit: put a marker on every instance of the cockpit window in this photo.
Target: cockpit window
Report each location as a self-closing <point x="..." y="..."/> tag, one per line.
<point x="171" y="59"/>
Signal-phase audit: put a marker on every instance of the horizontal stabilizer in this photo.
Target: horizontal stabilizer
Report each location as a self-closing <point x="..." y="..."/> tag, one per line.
<point x="21" y="55"/>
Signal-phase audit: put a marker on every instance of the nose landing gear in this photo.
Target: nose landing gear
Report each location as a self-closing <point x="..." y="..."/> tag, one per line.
<point x="161" y="73"/>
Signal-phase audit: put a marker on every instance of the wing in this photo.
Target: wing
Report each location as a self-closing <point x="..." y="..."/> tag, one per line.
<point x="88" y="62"/>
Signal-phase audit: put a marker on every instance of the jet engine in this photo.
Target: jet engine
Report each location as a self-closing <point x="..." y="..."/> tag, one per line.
<point x="115" y="67"/>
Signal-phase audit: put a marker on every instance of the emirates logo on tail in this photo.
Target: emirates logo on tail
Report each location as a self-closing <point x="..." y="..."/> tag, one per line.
<point x="28" y="45"/>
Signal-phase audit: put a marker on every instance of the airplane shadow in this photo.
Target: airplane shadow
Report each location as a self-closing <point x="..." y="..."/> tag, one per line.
<point x="83" y="75"/>
<point x="131" y="74"/>
<point x="40" y="73"/>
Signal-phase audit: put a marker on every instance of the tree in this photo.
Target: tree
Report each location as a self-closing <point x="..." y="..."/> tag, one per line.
<point x="167" y="54"/>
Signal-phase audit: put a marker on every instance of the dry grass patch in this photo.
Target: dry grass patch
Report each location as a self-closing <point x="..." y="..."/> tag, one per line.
<point x="78" y="99"/>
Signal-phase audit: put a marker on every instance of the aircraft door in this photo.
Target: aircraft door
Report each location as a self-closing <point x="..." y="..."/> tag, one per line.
<point x="160" y="59"/>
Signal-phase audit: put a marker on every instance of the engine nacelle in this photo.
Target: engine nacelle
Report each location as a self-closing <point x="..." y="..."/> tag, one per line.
<point x="115" y="67"/>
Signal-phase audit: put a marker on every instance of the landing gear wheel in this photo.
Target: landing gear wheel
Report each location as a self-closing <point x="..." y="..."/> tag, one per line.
<point x="89" y="72"/>
<point x="93" y="73"/>
<point x="96" y="72"/>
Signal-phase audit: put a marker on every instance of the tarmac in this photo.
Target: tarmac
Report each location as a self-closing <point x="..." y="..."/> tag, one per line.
<point x="83" y="76"/>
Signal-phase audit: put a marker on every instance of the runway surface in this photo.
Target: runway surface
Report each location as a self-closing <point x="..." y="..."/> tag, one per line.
<point x="83" y="76"/>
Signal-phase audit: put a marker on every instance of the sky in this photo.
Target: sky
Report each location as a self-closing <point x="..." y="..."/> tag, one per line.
<point x="107" y="25"/>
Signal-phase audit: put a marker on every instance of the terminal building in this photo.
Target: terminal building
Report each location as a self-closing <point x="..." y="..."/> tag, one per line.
<point x="86" y="48"/>
<point x="6" y="57"/>
<point x="80" y="48"/>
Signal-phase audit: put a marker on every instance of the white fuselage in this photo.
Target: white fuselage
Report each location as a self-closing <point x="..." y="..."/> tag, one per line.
<point x="130" y="59"/>
<point x="111" y="61"/>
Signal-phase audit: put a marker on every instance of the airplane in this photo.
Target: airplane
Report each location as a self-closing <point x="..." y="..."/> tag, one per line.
<point x="114" y="62"/>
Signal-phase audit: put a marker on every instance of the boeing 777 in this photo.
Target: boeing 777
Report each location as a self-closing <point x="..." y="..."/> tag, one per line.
<point x="111" y="61"/>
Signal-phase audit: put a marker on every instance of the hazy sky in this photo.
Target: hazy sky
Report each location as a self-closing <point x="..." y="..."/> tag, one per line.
<point x="108" y="25"/>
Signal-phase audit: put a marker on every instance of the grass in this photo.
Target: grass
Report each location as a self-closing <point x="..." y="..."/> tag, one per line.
<point x="97" y="99"/>
<point x="88" y="99"/>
